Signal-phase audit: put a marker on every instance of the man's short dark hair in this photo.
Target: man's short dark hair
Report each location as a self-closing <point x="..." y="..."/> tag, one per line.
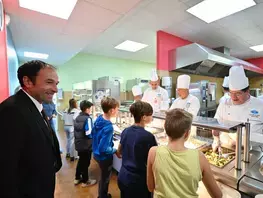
<point x="31" y="69"/>
<point x="84" y="105"/>
<point x="140" y="109"/>
<point x="226" y="88"/>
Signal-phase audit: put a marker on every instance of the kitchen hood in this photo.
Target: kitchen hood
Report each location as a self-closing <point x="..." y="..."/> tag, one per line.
<point x="200" y="60"/>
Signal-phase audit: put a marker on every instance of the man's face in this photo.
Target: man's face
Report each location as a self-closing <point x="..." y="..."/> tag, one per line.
<point x="45" y="85"/>
<point x="154" y="84"/>
<point x="239" y="97"/>
<point x="183" y="93"/>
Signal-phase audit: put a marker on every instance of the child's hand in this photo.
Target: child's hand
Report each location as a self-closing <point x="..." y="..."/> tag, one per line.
<point x="118" y="154"/>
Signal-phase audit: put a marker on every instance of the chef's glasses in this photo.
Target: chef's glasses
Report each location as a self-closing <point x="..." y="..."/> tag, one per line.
<point x="237" y="94"/>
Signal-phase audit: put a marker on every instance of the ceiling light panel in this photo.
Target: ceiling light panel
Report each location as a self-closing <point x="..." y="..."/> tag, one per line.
<point x="212" y="10"/>
<point x="131" y="46"/>
<point x="257" y="48"/>
<point x="35" y="55"/>
<point x="58" y="8"/>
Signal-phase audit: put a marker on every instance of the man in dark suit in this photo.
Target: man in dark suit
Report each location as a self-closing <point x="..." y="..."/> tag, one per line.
<point x="32" y="154"/>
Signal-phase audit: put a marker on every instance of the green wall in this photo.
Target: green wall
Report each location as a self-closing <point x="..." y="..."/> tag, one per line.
<point x="90" y="67"/>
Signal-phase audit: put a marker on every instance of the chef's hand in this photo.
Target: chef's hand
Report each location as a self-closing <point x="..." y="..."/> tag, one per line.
<point x="53" y="116"/>
<point x="216" y="143"/>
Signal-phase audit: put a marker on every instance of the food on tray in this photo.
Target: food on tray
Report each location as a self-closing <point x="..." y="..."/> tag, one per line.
<point x="193" y="143"/>
<point x="162" y="141"/>
<point x="153" y="130"/>
<point x="213" y="158"/>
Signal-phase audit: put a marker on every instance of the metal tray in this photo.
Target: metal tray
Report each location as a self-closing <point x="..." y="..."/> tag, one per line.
<point x="224" y="150"/>
<point x="198" y="143"/>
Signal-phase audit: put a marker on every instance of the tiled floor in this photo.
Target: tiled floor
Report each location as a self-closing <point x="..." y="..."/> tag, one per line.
<point x="65" y="177"/>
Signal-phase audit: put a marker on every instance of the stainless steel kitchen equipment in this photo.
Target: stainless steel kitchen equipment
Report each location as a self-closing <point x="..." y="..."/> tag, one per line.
<point x="200" y="60"/>
<point x="255" y="92"/>
<point x="242" y="173"/>
<point x="205" y="91"/>
<point x="143" y="83"/>
<point x="95" y="90"/>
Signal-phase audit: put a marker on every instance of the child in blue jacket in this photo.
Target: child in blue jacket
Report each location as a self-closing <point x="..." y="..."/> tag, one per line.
<point x="102" y="145"/>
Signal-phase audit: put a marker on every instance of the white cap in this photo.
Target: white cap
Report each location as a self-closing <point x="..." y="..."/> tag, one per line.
<point x="237" y="78"/>
<point x="183" y="82"/>
<point x="136" y="90"/>
<point x="226" y="82"/>
<point x="154" y="76"/>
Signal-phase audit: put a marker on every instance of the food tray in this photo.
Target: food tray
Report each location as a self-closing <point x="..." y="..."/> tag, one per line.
<point x="154" y="130"/>
<point x="194" y="143"/>
<point x="162" y="141"/>
<point x="225" y="161"/>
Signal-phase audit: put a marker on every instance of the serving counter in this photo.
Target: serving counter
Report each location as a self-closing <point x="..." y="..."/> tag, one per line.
<point x="240" y="170"/>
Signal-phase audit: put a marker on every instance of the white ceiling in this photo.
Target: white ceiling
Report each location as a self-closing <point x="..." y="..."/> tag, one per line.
<point x="96" y="26"/>
<point x="62" y="39"/>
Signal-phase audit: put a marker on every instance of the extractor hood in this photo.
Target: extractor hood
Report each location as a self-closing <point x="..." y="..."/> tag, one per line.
<point x="200" y="60"/>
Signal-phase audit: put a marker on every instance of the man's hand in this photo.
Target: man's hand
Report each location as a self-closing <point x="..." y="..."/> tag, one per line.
<point x="53" y="116"/>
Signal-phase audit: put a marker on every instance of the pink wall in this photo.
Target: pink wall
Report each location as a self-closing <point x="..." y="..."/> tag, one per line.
<point x="4" y="87"/>
<point x="165" y="43"/>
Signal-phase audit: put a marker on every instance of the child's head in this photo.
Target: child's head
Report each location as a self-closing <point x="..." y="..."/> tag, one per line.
<point x="73" y="103"/>
<point x="142" y="112"/>
<point x="178" y="124"/>
<point x="110" y="106"/>
<point x="85" y="106"/>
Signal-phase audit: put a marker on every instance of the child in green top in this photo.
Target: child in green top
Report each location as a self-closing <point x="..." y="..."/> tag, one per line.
<point x="175" y="171"/>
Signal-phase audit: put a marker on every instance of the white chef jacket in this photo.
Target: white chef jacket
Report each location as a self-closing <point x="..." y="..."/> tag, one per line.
<point x="260" y="97"/>
<point x="251" y="109"/>
<point x="190" y="104"/>
<point x="224" y="97"/>
<point x="157" y="98"/>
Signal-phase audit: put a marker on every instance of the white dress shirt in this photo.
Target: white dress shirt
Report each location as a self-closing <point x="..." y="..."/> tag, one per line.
<point x="38" y="105"/>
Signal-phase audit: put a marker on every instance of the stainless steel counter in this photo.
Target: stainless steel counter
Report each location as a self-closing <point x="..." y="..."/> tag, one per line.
<point x="238" y="174"/>
<point x="209" y="123"/>
<point x="252" y="181"/>
<point x="212" y="123"/>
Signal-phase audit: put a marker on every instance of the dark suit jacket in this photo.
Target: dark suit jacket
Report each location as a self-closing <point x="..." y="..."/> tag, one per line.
<point x="29" y="150"/>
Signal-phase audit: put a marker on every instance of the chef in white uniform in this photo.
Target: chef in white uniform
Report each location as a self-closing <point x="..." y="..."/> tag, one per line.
<point x="240" y="107"/>
<point x="185" y="100"/>
<point x="156" y="95"/>
<point x="137" y="92"/>
<point x="225" y="87"/>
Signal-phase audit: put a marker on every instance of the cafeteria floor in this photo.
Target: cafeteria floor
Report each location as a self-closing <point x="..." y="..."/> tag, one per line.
<point x="65" y="177"/>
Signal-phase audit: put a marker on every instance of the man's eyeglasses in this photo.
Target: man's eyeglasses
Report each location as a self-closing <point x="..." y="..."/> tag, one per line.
<point x="237" y="94"/>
